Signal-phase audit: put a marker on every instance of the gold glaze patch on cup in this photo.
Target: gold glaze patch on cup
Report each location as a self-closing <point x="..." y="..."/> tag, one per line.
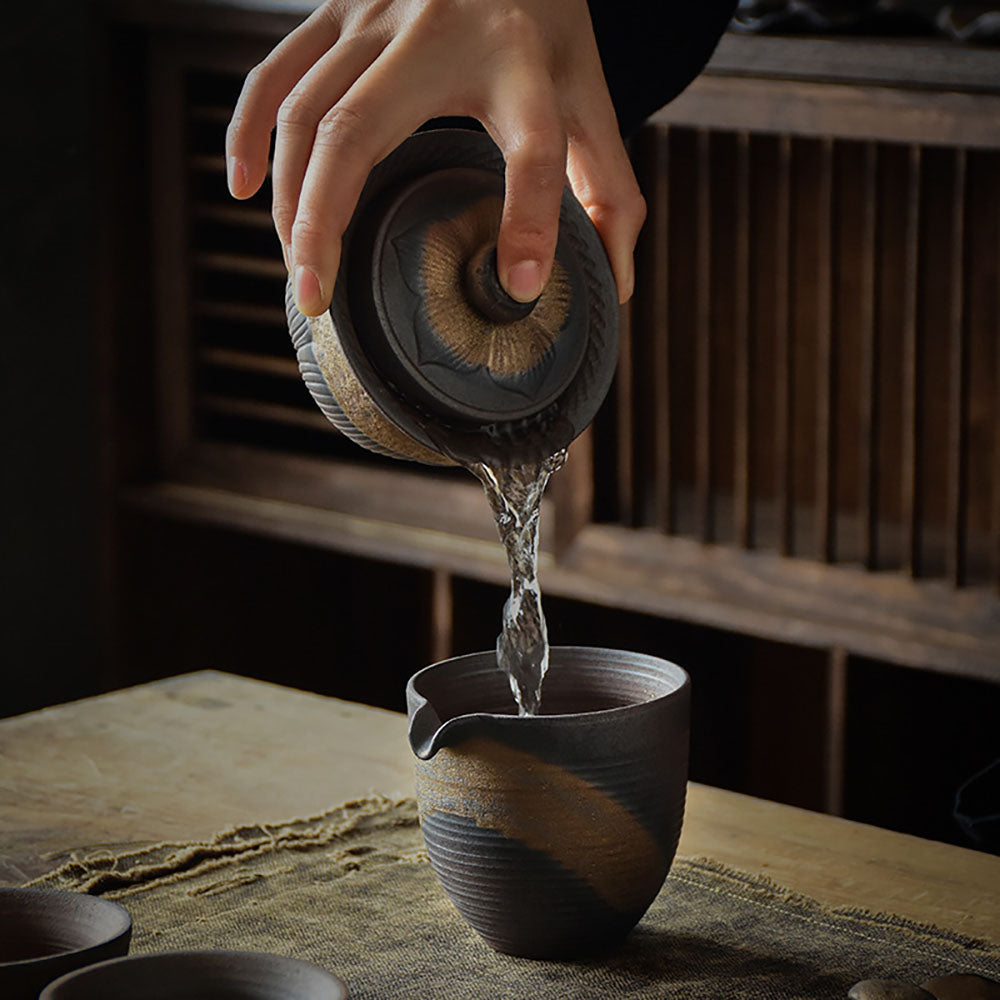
<point x="548" y="809"/>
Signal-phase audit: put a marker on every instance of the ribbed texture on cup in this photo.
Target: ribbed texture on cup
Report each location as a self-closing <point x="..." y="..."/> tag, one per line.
<point x="520" y="901"/>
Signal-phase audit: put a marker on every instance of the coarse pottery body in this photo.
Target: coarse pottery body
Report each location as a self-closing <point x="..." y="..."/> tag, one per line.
<point x="552" y="834"/>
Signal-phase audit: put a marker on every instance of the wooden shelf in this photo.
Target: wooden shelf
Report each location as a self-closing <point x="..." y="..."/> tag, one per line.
<point x="248" y="361"/>
<point x="908" y="62"/>
<point x="883" y="616"/>
<point x="232" y="263"/>
<point x="275" y="413"/>
<point x="838" y="110"/>
<point x="239" y="312"/>
<point x="234" y="215"/>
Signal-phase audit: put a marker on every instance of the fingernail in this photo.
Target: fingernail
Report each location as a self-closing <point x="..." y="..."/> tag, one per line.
<point x="629" y="286"/>
<point x="524" y="280"/>
<point x="236" y="174"/>
<point x="286" y="250"/>
<point x="308" y="291"/>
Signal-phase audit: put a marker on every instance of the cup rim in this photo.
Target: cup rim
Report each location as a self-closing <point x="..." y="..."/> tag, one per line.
<point x="684" y="685"/>
<point x="84" y="901"/>
<point x="204" y="956"/>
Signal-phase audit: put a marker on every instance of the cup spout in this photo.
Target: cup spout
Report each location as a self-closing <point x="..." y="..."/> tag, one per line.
<point x="447" y="703"/>
<point x="428" y="733"/>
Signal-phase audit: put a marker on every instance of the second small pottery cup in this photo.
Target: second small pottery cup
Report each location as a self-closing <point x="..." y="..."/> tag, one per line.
<point x="206" y="975"/>
<point x="45" y="933"/>
<point x="553" y="833"/>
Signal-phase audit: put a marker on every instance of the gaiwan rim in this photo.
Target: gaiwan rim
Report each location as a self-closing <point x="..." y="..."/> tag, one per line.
<point x="88" y="907"/>
<point x="427" y="729"/>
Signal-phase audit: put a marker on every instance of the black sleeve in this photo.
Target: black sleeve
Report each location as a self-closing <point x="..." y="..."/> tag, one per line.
<point x="652" y="50"/>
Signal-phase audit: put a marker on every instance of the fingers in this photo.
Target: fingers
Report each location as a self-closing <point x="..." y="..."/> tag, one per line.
<point x="298" y="118"/>
<point x="603" y="182"/>
<point x="249" y="132"/>
<point x="350" y="139"/>
<point x="335" y="97"/>
<point x="526" y="124"/>
<point x="342" y="155"/>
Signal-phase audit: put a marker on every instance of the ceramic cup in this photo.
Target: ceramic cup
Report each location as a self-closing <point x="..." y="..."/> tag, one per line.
<point x="552" y="834"/>
<point x="208" y="975"/>
<point x="45" y="933"/>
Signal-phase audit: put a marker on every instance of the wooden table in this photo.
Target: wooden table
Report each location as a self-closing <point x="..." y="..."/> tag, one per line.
<point x="182" y="758"/>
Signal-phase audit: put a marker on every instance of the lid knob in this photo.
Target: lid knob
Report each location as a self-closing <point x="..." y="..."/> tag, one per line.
<point x="482" y="286"/>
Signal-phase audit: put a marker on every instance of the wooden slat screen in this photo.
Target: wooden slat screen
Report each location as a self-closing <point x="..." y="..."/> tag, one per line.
<point x="810" y="365"/>
<point x="246" y="379"/>
<point x="813" y="363"/>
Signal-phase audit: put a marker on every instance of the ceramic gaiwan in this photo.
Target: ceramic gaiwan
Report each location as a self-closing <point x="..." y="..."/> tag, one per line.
<point x="552" y="834"/>
<point x="422" y="354"/>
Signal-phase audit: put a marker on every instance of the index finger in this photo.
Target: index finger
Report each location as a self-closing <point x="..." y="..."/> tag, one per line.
<point x="351" y="138"/>
<point x="248" y="136"/>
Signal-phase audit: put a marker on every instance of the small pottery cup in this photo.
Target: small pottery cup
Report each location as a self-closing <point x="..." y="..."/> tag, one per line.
<point x="553" y="833"/>
<point x="207" y="975"/>
<point x="45" y="933"/>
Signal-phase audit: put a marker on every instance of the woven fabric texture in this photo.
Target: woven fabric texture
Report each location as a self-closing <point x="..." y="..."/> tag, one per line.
<point x="352" y="891"/>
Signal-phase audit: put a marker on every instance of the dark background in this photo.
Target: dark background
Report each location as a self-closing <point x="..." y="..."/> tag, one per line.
<point x="51" y="447"/>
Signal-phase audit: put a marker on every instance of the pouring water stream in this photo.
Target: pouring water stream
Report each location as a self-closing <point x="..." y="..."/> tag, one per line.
<point x="515" y="496"/>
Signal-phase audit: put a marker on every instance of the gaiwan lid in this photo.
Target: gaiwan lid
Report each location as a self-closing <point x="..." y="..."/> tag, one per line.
<point x="435" y="341"/>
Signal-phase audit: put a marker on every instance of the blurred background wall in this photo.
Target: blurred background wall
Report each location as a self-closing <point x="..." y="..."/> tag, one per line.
<point x="51" y="396"/>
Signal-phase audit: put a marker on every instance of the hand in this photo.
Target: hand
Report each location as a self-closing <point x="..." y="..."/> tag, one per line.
<point x="358" y="76"/>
